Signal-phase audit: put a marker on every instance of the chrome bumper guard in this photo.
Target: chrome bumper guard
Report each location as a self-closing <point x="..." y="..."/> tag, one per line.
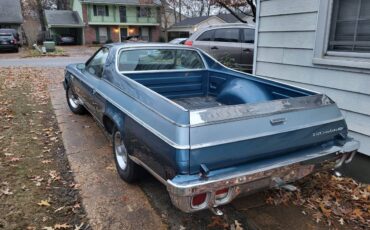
<point x="252" y="177"/>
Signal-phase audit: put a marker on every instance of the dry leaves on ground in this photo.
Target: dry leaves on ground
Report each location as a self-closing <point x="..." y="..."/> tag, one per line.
<point x="328" y="198"/>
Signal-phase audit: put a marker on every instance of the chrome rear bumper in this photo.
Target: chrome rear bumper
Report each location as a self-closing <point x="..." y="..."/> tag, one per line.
<point x="263" y="174"/>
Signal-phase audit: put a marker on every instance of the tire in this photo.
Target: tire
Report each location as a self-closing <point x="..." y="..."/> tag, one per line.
<point x="73" y="102"/>
<point x="128" y="170"/>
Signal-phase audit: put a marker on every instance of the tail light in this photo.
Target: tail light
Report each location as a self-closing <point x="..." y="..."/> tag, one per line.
<point x="188" y="43"/>
<point x="221" y="194"/>
<point x="14" y="41"/>
<point x="199" y="199"/>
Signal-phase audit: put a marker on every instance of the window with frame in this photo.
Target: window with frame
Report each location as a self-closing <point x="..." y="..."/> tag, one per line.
<point x="248" y="35"/>
<point x="159" y="59"/>
<point x="95" y="66"/>
<point x="144" y="12"/>
<point x="350" y="26"/>
<point x="226" y="35"/>
<point x="343" y="34"/>
<point x="206" y="36"/>
<point x="100" y="10"/>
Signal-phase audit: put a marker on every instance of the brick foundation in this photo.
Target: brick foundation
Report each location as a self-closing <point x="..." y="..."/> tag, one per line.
<point x="90" y="34"/>
<point x="114" y="33"/>
<point x="156" y="33"/>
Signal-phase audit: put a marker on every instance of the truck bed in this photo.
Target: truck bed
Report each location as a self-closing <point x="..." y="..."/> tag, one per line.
<point x="234" y="118"/>
<point x="195" y="103"/>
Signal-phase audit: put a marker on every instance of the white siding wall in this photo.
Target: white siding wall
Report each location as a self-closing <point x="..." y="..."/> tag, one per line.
<point x="285" y="43"/>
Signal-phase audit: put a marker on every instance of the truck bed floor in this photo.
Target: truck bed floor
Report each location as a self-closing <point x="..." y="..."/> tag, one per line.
<point x="193" y="103"/>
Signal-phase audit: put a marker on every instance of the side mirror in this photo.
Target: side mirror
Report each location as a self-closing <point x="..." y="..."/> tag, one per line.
<point x="81" y="66"/>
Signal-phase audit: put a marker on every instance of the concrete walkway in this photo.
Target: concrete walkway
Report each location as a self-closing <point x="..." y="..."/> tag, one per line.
<point x="109" y="202"/>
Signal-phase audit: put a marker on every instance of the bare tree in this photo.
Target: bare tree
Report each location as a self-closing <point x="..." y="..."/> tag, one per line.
<point x="235" y="7"/>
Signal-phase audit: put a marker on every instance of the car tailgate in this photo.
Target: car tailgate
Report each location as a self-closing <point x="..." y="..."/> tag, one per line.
<point x="231" y="135"/>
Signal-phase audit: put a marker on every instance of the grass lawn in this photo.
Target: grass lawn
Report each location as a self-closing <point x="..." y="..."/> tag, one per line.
<point x="37" y="190"/>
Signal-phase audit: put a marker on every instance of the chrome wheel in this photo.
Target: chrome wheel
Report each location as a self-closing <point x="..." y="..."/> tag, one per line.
<point x="73" y="100"/>
<point x="120" y="151"/>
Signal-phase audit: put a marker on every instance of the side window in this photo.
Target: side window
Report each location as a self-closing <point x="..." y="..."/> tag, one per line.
<point x="96" y="64"/>
<point x="159" y="59"/>
<point x="206" y="36"/>
<point x="227" y="35"/>
<point x="248" y="36"/>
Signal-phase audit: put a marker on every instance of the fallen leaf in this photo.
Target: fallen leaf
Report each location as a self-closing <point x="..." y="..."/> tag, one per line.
<point x="79" y="227"/>
<point x="58" y="209"/>
<point x="341" y="221"/>
<point x="238" y="226"/>
<point x="44" y="203"/>
<point x="6" y="191"/>
<point x="62" y="226"/>
<point x="47" y="228"/>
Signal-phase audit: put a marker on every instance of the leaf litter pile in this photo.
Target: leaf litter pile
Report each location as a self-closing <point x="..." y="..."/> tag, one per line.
<point x="334" y="200"/>
<point x="36" y="185"/>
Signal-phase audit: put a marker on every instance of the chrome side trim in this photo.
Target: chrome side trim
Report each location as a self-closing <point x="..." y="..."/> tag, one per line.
<point x="155" y="132"/>
<point x="142" y="164"/>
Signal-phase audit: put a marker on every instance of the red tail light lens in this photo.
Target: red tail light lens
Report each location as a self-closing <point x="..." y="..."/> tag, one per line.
<point x="15" y="41"/>
<point x="188" y="43"/>
<point x="222" y="193"/>
<point x="198" y="199"/>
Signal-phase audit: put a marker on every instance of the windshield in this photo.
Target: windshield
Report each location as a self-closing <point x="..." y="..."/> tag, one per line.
<point x="159" y="59"/>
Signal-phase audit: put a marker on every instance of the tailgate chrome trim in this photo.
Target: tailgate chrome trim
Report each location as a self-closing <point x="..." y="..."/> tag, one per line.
<point x="229" y="113"/>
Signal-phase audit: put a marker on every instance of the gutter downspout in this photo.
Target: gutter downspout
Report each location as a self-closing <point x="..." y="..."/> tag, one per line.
<point x="256" y="36"/>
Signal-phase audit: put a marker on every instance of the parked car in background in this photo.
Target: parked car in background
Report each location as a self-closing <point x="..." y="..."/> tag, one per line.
<point x="207" y="132"/>
<point x="8" y="42"/>
<point x="15" y="34"/>
<point x="65" y="39"/>
<point x="231" y="44"/>
<point x="179" y="41"/>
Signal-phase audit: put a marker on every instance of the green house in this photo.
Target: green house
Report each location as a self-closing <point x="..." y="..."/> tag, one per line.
<point x="118" y="20"/>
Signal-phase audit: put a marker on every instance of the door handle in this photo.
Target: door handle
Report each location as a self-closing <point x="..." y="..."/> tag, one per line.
<point x="214" y="48"/>
<point x="247" y="50"/>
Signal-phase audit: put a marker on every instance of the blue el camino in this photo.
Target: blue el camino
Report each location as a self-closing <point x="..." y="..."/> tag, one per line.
<point x="207" y="132"/>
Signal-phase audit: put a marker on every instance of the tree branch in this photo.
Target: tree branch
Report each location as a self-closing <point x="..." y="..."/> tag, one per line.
<point x="231" y="11"/>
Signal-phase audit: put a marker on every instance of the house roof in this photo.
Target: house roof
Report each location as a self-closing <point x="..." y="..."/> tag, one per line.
<point x="191" y="21"/>
<point x="11" y="12"/>
<point x="63" y="18"/>
<point x="119" y="2"/>
<point x="228" y="18"/>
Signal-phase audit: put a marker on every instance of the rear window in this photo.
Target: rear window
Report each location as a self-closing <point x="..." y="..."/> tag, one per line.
<point x="206" y="36"/>
<point x="8" y="36"/>
<point x="227" y="35"/>
<point x="159" y="59"/>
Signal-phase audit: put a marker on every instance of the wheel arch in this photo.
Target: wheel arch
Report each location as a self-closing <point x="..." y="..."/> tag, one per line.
<point x="113" y="118"/>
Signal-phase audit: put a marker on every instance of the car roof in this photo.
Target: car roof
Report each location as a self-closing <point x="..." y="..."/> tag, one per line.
<point x="146" y="44"/>
<point x="228" y="25"/>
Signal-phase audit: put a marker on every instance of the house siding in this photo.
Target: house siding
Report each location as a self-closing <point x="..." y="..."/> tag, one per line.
<point x="286" y="33"/>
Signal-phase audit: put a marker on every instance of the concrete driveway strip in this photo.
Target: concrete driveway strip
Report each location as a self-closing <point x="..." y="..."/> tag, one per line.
<point x="110" y="203"/>
<point x="42" y="62"/>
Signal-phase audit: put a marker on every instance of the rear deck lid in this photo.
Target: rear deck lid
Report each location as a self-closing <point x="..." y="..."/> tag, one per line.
<point x="230" y="135"/>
